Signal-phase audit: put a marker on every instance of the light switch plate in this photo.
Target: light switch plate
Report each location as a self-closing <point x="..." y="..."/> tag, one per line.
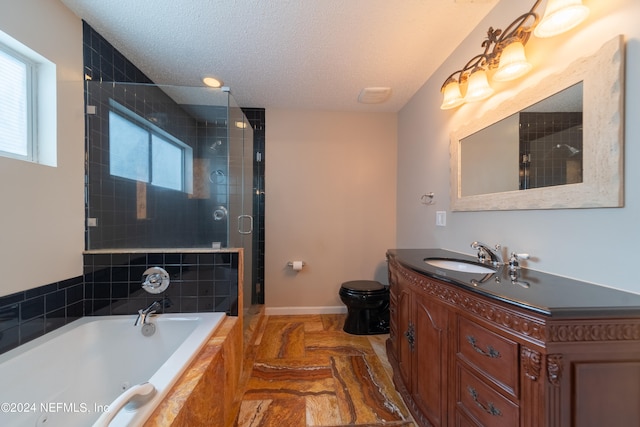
<point x="441" y="218"/>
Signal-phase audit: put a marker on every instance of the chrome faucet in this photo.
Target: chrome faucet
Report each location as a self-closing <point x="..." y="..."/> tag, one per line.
<point x="486" y="253"/>
<point x="153" y="308"/>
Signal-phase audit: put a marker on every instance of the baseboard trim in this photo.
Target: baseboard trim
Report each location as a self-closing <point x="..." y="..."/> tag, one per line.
<point x="281" y="311"/>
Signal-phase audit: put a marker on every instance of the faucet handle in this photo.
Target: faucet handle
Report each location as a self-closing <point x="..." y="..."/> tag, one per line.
<point x="514" y="260"/>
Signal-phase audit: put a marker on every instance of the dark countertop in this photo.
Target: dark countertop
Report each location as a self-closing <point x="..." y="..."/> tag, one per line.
<point x="546" y="294"/>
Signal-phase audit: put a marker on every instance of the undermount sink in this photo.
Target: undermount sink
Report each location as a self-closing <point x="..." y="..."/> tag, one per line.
<point x="460" y="265"/>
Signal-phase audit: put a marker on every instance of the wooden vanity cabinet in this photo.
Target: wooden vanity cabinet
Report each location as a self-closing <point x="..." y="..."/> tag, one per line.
<point x="418" y="336"/>
<point x="466" y="360"/>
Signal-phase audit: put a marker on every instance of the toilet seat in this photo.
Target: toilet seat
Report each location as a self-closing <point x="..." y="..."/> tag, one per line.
<point x="363" y="287"/>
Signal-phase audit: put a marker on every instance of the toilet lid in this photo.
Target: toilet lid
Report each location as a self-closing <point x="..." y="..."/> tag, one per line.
<point x="364" y="286"/>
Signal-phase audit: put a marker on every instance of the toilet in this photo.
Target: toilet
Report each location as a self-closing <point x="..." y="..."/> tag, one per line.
<point x="367" y="304"/>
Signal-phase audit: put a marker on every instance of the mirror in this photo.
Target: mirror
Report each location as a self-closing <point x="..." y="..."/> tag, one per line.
<point x="540" y="146"/>
<point x="505" y="160"/>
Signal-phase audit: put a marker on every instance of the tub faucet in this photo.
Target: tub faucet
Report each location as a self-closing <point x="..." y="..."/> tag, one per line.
<point x="485" y="252"/>
<point x="153" y="308"/>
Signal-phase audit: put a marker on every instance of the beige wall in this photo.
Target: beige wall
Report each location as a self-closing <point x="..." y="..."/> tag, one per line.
<point x="595" y="245"/>
<point x="42" y="207"/>
<point x="331" y="196"/>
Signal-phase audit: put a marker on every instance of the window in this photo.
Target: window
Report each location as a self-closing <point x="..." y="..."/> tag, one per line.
<point x="141" y="151"/>
<point x="16" y="137"/>
<point x="28" y="128"/>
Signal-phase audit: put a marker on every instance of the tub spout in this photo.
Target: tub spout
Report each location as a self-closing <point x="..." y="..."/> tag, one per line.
<point x="153" y="308"/>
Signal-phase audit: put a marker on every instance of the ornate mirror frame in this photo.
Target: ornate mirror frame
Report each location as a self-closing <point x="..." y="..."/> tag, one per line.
<point x="603" y="139"/>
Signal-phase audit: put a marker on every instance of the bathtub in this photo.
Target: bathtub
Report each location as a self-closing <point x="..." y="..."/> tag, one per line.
<point x="78" y="374"/>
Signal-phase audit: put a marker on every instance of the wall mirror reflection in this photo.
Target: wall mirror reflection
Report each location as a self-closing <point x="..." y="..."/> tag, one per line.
<point x="557" y="144"/>
<point x="540" y="146"/>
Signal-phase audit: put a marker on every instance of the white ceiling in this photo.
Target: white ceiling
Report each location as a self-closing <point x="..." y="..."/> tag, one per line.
<point x="300" y="54"/>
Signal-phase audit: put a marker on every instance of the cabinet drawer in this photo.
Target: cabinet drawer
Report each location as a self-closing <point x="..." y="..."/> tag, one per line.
<point x="493" y="355"/>
<point x="483" y="404"/>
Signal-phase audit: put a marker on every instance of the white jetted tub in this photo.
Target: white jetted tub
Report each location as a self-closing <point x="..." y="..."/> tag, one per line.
<point x="99" y="370"/>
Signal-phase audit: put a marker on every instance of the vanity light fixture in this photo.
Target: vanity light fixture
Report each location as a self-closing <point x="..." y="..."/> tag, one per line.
<point x="504" y="53"/>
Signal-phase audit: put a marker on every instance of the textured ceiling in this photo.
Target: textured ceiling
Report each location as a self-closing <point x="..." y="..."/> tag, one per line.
<point x="302" y="54"/>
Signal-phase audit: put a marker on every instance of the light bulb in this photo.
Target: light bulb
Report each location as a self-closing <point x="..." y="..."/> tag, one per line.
<point x="513" y="63"/>
<point x="452" y="97"/>
<point x="478" y="86"/>
<point x="561" y="16"/>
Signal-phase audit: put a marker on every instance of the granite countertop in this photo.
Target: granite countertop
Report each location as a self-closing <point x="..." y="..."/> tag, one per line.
<point x="546" y="294"/>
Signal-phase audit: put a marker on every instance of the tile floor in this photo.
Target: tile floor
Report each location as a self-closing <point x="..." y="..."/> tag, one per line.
<point x="305" y="371"/>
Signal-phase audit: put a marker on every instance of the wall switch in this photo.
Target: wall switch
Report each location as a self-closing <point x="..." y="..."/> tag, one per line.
<point x="92" y="222"/>
<point x="441" y="218"/>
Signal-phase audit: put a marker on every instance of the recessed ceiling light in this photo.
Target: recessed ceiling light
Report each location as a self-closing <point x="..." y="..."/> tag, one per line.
<point x="212" y="82"/>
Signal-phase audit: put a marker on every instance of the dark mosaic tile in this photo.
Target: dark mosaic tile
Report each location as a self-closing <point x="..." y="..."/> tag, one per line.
<point x="75" y="293"/>
<point x="32" y="308"/>
<point x="101" y="291"/>
<point x="55" y="319"/>
<point x="70" y="282"/>
<point x="32" y="329"/>
<point x="41" y="290"/>
<point x="55" y="300"/>
<point x="75" y="311"/>
<point x="12" y="299"/>
<point x="9" y="316"/>
<point x="9" y="339"/>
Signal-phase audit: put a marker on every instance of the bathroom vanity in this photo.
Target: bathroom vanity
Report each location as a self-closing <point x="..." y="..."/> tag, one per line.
<point x="490" y="349"/>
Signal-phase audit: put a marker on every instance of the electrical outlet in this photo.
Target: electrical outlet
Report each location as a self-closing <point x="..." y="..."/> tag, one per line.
<point x="441" y="218"/>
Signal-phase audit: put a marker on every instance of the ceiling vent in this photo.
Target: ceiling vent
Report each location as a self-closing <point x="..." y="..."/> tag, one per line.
<point x="374" y="95"/>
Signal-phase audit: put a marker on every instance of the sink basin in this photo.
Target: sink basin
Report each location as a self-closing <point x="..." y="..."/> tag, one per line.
<point x="460" y="265"/>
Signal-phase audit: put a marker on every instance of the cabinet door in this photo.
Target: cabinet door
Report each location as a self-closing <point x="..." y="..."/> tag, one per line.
<point x="404" y="343"/>
<point x="429" y="367"/>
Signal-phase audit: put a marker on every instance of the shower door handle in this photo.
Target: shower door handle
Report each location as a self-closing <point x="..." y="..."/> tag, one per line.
<point x="241" y="221"/>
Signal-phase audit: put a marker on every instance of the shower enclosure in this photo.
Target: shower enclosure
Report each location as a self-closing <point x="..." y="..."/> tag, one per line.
<point x="168" y="167"/>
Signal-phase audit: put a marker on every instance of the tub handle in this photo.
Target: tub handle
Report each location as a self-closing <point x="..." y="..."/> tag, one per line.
<point x="143" y="389"/>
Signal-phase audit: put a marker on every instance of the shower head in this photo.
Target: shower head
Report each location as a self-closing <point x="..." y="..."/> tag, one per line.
<point x="572" y="150"/>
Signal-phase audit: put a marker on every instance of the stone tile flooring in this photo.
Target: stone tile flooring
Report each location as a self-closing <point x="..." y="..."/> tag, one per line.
<point x="305" y="371"/>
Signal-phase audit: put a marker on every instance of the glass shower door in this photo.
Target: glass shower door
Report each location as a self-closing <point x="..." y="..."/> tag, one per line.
<point x="241" y="194"/>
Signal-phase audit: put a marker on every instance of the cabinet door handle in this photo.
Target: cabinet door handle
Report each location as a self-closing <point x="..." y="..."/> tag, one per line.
<point x="489" y="409"/>
<point x="410" y="335"/>
<point x="491" y="352"/>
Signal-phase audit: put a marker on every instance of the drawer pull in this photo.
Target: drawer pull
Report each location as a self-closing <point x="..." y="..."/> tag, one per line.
<point x="489" y="409"/>
<point x="491" y="352"/>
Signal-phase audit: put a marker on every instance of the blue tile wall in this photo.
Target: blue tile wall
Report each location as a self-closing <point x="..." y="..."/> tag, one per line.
<point x="256" y="117"/>
<point x="29" y="314"/>
<point x="200" y="282"/>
